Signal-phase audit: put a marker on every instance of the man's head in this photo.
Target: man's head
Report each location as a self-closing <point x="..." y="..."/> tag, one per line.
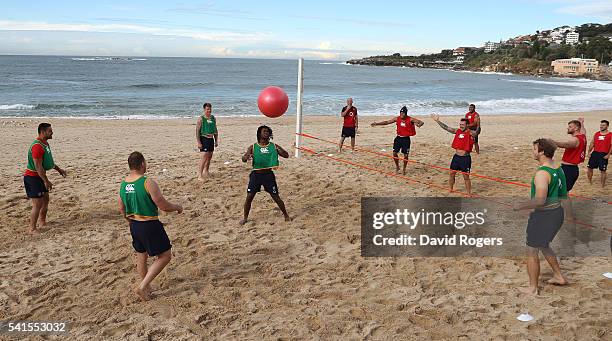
<point x="207" y="108"/>
<point x="544" y="147"/>
<point x="45" y="131"/>
<point x="403" y="112"/>
<point x="463" y="123"/>
<point x="136" y="161"/>
<point x="603" y="125"/>
<point x="264" y="133"/>
<point x="472" y="108"/>
<point x="349" y="101"/>
<point x="573" y="126"/>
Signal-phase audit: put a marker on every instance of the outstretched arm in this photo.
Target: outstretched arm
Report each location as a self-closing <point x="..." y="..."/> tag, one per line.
<point x="384" y="123"/>
<point x="61" y="171"/>
<point x="158" y="198"/>
<point x="442" y="124"/>
<point x="417" y="122"/>
<point x="568" y="144"/>
<point x="281" y="151"/>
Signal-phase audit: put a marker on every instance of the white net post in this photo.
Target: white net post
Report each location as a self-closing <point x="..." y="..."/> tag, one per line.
<point x="298" y="120"/>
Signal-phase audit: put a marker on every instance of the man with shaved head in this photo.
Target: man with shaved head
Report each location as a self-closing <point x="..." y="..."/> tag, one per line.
<point x="349" y="128"/>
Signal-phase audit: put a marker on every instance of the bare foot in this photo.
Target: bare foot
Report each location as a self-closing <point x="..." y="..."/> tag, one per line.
<point x="397" y="171"/>
<point x="42" y="222"/>
<point x="33" y="232"/>
<point x="206" y="175"/>
<point x="242" y="222"/>
<point x="149" y="291"/>
<point x="288" y="218"/>
<point x="200" y="178"/>
<point x="143" y="294"/>
<point x="529" y="290"/>
<point x="404" y="172"/>
<point x="557" y="281"/>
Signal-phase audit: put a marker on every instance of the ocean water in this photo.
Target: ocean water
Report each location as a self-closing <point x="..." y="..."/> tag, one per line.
<point x="103" y="87"/>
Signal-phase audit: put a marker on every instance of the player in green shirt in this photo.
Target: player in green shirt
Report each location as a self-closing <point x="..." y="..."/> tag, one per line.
<point x="35" y="180"/>
<point x="207" y="138"/>
<point x="548" y="192"/>
<point x="265" y="158"/>
<point x="140" y="200"/>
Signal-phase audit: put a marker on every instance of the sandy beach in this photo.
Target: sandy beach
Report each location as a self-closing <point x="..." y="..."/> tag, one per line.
<point x="271" y="279"/>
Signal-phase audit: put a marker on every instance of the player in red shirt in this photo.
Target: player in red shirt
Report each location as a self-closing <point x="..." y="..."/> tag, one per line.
<point x="35" y="181"/>
<point x="600" y="150"/>
<point x="575" y="151"/>
<point x="405" y="128"/>
<point x="350" y="124"/>
<point x="474" y="124"/>
<point x="463" y="144"/>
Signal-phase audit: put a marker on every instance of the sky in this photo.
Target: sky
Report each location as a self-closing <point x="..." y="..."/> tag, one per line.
<point x="314" y="29"/>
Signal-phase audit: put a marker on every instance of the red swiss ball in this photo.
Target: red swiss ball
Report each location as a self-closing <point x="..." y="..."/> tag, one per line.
<point x="273" y="101"/>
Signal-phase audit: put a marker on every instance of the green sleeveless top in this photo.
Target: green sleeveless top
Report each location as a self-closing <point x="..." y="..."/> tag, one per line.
<point x="557" y="187"/>
<point x="47" y="160"/>
<point x="137" y="201"/>
<point x="265" y="157"/>
<point x="209" y="125"/>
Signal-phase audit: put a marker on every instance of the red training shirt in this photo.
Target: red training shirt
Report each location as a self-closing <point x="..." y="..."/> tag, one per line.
<point x="349" y="118"/>
<point x="463" y="140"/>
<point x="576" y="155"/>
<point x="405" y="127"/>
<point x="602" y="142"/>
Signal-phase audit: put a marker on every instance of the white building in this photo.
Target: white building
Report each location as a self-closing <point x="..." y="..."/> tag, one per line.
<point x="572" y="38"/>
<point x="490" y="46"/>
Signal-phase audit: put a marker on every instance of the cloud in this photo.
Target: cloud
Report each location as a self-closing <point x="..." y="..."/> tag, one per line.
<point x="226" y="36"/>
<point x="116" y="37"/>
<point x="325" y="45"/>
<point x="597" y="9"/>
<point x="212" y="10"/>
<point x="355" y="21"/>
<point x="589" y="8"/>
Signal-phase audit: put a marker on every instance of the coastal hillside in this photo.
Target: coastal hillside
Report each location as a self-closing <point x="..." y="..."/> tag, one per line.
<point x="527" y="54"/>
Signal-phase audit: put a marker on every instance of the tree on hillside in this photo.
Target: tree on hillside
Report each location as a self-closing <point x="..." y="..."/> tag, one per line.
<point x="598" y="48"/>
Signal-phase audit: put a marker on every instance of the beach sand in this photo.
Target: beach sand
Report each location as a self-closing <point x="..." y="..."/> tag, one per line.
<point x="271" y="279"/>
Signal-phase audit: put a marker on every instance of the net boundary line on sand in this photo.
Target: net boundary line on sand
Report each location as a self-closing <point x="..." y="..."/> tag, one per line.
<point x="486" y="177"/>
<point x="429" y="184"/>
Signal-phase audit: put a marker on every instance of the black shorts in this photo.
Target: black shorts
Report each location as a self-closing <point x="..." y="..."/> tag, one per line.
<point x="266" y="179"/>
<point x="401" y="143"/>
<point x="208" y="144"/>
<point x="543" y="225"/>
<point x="571" y="175"/>
<point x="348" y="132"/>
<point x="597" y="161"/>
<point x="150" y="237"/>
<point x="478" y="130"/>
<point x="461" y="163"/>
<point x="34" y="187"/>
